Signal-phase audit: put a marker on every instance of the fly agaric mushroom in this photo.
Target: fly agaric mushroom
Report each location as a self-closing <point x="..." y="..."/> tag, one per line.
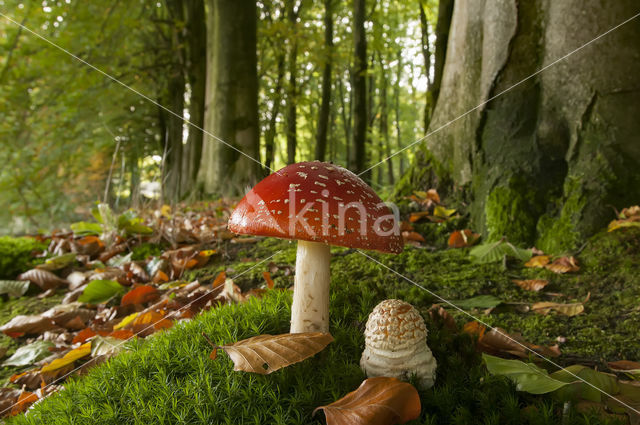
<point x="319" y="204"/>
<point x="396" y="344"/>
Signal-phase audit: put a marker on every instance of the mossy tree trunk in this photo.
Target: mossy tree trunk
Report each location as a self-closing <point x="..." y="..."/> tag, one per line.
<point x="546" y="161"/>
<point x="231" y="107"/>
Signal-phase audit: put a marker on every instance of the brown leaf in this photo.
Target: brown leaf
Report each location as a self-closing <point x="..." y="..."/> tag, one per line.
<point x="432" y="195"/>
<point x="462" y="238"/>
<point x="219" y="280"/>
<point x="264" y="354"/>
<point x="622" y="365"/>
<point x="531" y="284"/>
<point x="8" y="397"/>
<point x="83" y="335"/>
<point x="538" y="261"/>
<point x="413" y="236"/>
<point x="417" y="216"/>
<point x="377" y="401"/>
<point x="25" y="400"/>
<point x="545" y="307"/>
<point x="563" y="265"/>
<point x="267" y="278"/>
<point x="438" y="314"/>
<point x="140" y="295"/>
<point x="499" y="342"/>
<point x="28" y="325"/>
<point x="43" y="278"/>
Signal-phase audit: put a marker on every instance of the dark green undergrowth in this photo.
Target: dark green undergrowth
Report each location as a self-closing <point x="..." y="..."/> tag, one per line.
<point x="16" y="255"/>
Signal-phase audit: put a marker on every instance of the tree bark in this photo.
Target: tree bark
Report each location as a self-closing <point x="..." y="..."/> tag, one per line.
<point x="323" y="115"/>
<point x="359" y="87"/>
<point x="426" y="55"/>
<point x="231" y="110"/>
<point x="547" y="160"/>
<point x="196" y="74"/>
<point x="292" y="92"/>
<point x="445" y="14"/>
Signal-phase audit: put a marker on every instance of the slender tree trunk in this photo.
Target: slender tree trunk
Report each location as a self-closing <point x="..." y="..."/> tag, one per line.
<point x="426" y="54"/>
<point x="384" y="125"/>
<point x="345" y="110"/>
<point x="359" y="86"/>
<point x="270" y="136"/>
<point x="292" y="93"/>
<point x="445" y="14"/>
<point x="196" y="72"/>
<point x="231" y="111"/>
<point x="396" y="96"/>
<point x="323" y="116"/>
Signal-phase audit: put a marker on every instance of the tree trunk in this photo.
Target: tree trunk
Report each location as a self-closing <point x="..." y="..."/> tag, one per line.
<point x="359" y="87"/>
<point x="426" y="55"/>
<point x="292" y="93"/>
<point x="196" y="72"/>
<point x="445" y="14"/>
<point x="396" y="96"/>
<point x="345" y="110"/>
<point x="323" y="116"/>
<point x="270" y="136"/>
<point x="231" y="111"/>
<point x="384" y="125"/>
<point x="546" y="161"/>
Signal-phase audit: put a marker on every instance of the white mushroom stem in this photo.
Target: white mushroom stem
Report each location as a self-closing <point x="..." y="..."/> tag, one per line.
<point x="310" y="308"/>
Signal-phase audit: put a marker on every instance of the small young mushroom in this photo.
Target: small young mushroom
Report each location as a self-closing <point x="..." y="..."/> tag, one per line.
<point x="396" y="344"/>
<point x="319" y="204"/>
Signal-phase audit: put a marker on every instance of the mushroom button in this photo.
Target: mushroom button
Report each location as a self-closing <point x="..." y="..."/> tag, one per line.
<point x="396" y="344"/>
<point x="319" y="204"/>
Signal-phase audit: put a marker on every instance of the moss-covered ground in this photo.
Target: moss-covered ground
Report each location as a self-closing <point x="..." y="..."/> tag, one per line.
<point x="169" y="378"/>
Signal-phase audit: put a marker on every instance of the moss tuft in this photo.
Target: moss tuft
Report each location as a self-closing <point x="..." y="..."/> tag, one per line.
<point x="511" y="212"/>
<point x="16" y="255"/>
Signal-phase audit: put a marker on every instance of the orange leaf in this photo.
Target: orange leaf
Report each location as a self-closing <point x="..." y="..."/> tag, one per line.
<point x="379" y="400"/>
<point x="25" y="399"/>
<point x="413" y="236"/>
<point x="160" y="277"/>
<point x="154" y="318"/>
<point x="267" y="277"/>
<point x="474" y="328"/>
<point x="219" y="280"/>
<point x="140" y="295"/>
<point x="83" y="335"/>
<point x="538" y="261"/>
<point x="418" y="216"/>
<point x="121" y="334"/>
<point x="531" y="284"/>
<point x="462" y="238"/>
<point x="432" y="195"/>
<point x="563" y="265"/>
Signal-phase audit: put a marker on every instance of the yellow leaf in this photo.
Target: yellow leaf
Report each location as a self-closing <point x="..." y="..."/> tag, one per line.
<point x="166" y="211"/>
<point x="442" y="212"/>
<point x="70" y="357"/>
<point x="531" y="284"/>
<point x="124" y="322"/>
<point x="538" y="261"/>
<point x="566" y="309"/>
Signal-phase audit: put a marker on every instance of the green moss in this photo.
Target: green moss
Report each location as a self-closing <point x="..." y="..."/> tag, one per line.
<point x="559" y="233"/>
<point x="16" y="255"/>
<point x="146" y="250"/>
<point x="511" y="212"/>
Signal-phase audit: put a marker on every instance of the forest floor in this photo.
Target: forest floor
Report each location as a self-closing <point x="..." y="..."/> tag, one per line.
<point x="169" y="378"/>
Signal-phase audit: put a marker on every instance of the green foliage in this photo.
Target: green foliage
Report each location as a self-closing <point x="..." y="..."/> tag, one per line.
<point x="496" y="251"/>
<point x="15" y="255"/>
<point x="99" y="291"/>
<point x="28" y="354"/>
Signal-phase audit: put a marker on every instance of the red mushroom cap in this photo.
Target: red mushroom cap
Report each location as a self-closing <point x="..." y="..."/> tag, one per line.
<point x="319" y="202"/>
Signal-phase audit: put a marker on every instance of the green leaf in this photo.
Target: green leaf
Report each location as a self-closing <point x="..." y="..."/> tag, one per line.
<point x="137" y="229"/>
<point x="606" y="382"/>
<point x="86" y="228"/>
<point x="29" y="354"/>
<point x="15" y="288"/>
<point x="59" y="262"/>
<point x="481" y="301"/>
<point x="496" y="251"/>
<point x="527" y="376"/>
<point x="99" y="291"/>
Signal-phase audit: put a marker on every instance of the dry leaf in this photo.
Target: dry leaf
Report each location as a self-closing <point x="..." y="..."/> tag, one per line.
<point x="25" y="400"/>
<point x="377" y="401"/>
<point x="43" y="278"/>
<point x="267" y="278"/>
<point x="499" y="342"/>
<point x="219" y="280"/>
<point x="563" y="265"/>
<point x="21" y="325"/>
<point x="70" y="357"/>
<point x="417" y="216"/>
<point x="413" y="236"/>
<point x="432" y="195"/>
<point x="462" y="238"/>
<point x="622" y="365"/>
<point x="140" y="295"/>
<point x="545" y="307"/>
<point x="531" y="284"/>
<point x="264" y="354"/>
<point x="538" y="261"/>
<point x="438" y="314"/>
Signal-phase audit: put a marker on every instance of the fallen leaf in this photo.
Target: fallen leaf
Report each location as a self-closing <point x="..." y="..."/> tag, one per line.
<point x="379" y="400"/>
<point x="21" y="325"/>
<point x="106" y="346"/>
<point x="83" y="335"/>
<point x="58" y="262"/>
<point x="25" y="400"/>
<point x="14" y="288"/>
<point x="481" y="301"/>
<point x="531" y="284"/>
<point x="29" y="354"/>
<point x="69" y="358"/>
<point x="538" y="261"/>
<point x="432" y="195"/>
<point x="160" y="277"/>
<point x="220" y="279"/>
<point x="267" y="278"/>
<point x="232" y="292"/>
<point x="496" y="251"/>
<point x="527" y="376"/>
<point x="498" y="341"/>
<point x="151" y="319"/>
<point x="99" y="291"/>
<point x="126" y="321"/>
<point x="622" y="365"/>
<point x="265" y="354"/>
<point x="417" y="216"/>
<point x="140" y="295"/>
<point x="474" y="328"/>
<point x="462" y="238"/>
<point x="43" y="278"/>
<point x="563" y="265"/>
<point x="443" y="213"/>
<point x="438" y="313"/>
<point x="545" y="307"/>
<point x="413" y="236"/>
